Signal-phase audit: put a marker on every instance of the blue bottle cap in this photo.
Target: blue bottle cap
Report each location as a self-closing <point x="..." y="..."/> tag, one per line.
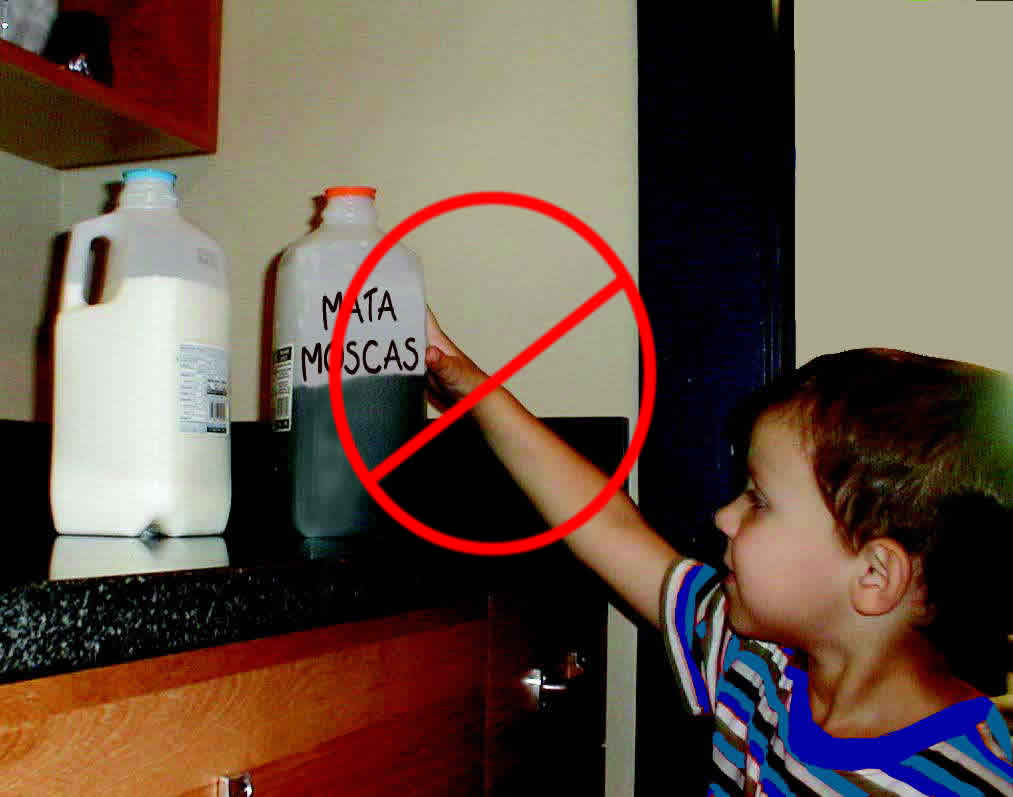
<point x="149" y="174"/>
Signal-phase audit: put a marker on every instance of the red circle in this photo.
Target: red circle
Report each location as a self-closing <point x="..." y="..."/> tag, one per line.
<point x="624" y="279"/>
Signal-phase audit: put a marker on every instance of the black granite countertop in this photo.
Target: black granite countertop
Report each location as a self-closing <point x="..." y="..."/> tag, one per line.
<point x="70" y="603"/>
<point x="51" y="626"/>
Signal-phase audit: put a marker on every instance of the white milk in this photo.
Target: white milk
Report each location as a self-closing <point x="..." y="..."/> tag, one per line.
<point x="140" y="416"/>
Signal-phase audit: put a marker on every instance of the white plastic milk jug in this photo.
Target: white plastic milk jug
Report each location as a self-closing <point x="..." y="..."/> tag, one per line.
<point x="141" y="401"/>
<point x="382" y="362"/>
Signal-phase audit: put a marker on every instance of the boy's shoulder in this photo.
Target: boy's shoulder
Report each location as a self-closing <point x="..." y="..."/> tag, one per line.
<point x="763" y="723"/>
<point x="959" y="749"/>
<point x="762" y="701"/>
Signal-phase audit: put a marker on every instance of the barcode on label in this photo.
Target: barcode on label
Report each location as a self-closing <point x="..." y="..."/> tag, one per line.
<point x="218" y="411"/>
<point x="281" y="388"/>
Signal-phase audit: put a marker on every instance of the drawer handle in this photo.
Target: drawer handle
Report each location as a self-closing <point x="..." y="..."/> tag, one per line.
<point x="235" y="785"/>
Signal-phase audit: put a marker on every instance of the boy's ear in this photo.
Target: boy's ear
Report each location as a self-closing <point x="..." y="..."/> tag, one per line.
<point x="882" y="578"/>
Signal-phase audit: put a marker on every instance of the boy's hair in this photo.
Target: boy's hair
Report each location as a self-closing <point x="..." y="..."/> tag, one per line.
<point x="918" y="449"/>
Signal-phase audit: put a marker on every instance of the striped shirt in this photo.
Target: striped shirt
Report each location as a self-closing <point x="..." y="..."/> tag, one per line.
<point x="765" y="739"/>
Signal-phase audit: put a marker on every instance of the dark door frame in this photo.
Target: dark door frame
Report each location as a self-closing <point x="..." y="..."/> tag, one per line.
<point x="716" y="191"/>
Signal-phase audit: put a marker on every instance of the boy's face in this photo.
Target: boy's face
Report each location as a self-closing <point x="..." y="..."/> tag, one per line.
<point x="789" y="567"/>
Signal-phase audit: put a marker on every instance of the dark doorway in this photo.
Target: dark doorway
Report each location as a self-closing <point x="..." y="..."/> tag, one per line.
<point x="716" y="164"/>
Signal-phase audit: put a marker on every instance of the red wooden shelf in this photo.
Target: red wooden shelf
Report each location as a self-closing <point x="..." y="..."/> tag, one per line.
<point x="163" y="101"/>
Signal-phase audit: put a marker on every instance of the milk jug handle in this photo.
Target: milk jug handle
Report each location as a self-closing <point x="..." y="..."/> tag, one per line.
<point x="78" y="251"/>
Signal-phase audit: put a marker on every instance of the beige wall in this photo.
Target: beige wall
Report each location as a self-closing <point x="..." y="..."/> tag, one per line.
<point x="526" y="96"/>
<point x="905" y="170"/>
<point x="29" y="216"/>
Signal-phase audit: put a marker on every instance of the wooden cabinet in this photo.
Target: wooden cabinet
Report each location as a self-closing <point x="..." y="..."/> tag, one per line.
<point x="429" y="702"/>
<point x="389" y="706"/>
<point x="163" y="101"/>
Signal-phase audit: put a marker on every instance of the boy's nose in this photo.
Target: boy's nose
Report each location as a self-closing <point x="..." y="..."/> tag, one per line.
<point x="726" y="519"/>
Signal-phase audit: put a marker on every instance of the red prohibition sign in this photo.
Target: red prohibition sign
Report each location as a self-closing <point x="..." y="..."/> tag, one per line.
<point x="622" y="283"/>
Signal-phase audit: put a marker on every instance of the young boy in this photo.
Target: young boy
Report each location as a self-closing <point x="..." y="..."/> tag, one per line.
<point x="826" y="652"/>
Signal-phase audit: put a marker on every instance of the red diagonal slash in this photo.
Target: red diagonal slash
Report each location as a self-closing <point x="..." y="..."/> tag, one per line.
<point x="497" y="379"/>
<point x="624" y="282"/>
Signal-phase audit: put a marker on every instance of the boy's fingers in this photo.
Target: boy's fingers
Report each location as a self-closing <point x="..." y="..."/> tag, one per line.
<point x="450" y="372"/>
<point x="433" y="355"/>
<point x="433" y="330"/>
<point x="436" y="335"/>
<point x="448" y="365"/>
<point x="440" y="364"/>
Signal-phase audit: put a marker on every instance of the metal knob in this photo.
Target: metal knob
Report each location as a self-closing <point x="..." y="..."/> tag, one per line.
<point x="235" y="785"/>
<point x="541" y="685"/>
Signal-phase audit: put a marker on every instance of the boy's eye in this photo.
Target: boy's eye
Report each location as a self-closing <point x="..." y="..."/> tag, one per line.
<point x="755" y="498"/>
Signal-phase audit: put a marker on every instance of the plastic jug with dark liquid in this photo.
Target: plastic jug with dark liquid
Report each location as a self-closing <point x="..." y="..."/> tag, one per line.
<point x="381" y="363"/>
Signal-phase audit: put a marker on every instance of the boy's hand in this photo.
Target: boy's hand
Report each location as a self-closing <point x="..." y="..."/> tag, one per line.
<point x="451" y="375"/>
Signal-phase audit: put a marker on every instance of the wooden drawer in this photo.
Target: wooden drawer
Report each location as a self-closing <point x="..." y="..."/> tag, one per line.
<point x="391" y="706"/>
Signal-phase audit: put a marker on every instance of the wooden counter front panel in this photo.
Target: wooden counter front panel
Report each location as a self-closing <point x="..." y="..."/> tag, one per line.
<point x="391" y="706"/>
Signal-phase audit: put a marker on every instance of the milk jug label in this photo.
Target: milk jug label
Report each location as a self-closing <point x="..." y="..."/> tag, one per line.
<point x="203" y="389"/>
<point x="281" y="387"/>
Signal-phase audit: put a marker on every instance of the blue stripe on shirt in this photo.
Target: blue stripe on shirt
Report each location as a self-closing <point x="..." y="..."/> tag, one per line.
<point x="685" y="610"/>
<point x="997" y="725"/>
<point x="772" y="782"/>
<point x="761" y="667"/>
<point x="837" y="782"/>
<point x="931" y="778"/>
<point x="975" y="748"/>
<point x="736" y="757"/>
<point x="737" y="702"/>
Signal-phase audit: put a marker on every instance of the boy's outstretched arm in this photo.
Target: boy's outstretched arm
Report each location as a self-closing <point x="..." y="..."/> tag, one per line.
<point x="616" y="543"/>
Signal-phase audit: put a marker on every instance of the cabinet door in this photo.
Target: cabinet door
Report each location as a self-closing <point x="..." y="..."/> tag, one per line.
<point x="547" y="614"/>
<point x="545" y="710"/>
